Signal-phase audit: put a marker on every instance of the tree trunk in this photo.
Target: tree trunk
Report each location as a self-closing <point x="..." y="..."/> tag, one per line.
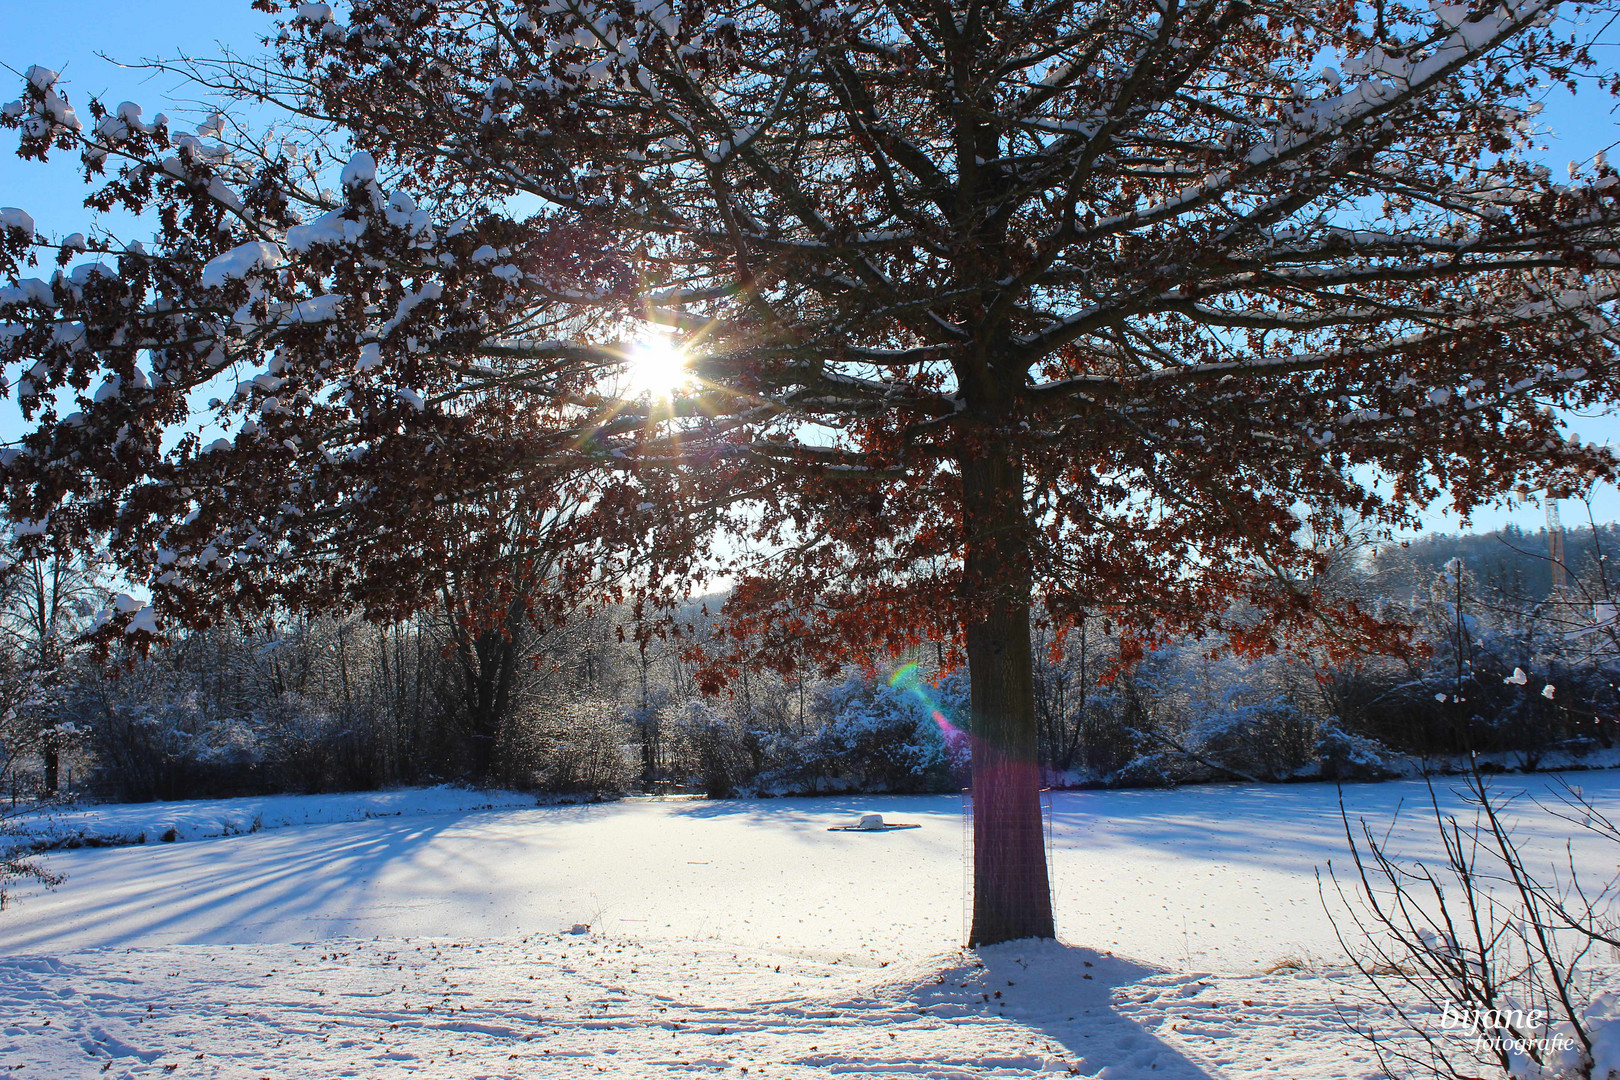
<point x="53" y="766"/>
<point x="1011" y="895"/>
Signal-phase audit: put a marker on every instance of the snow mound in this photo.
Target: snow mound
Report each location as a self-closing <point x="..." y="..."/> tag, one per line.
<point x="871" y="823"/>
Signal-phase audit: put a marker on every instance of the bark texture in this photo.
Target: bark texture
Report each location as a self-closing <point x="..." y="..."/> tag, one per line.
<point x="1012" y="897"/>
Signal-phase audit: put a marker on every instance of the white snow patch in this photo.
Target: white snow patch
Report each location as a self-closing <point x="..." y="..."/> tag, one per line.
<point x="362" y="167"/>
<point x="239" y="262"/>
<point x="13" y="218"/>
<point x="316" y="309"/>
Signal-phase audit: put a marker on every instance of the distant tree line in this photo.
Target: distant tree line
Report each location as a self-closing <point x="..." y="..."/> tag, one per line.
<point x="1500" y="662"/>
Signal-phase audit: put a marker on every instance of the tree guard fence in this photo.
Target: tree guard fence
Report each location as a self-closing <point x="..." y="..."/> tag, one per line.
<point x="967" y="856"/>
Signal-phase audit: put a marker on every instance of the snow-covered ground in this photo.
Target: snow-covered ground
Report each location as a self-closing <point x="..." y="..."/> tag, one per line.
<point x="722" y="936"/>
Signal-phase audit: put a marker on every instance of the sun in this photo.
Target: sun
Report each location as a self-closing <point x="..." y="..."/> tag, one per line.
<point x="657" y="368"/>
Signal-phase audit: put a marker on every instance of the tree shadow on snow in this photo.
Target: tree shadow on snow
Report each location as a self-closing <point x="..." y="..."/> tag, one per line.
<point x="223" y="889"/>
<point x="1062" y="996"/>
<point x="821" y="811"/>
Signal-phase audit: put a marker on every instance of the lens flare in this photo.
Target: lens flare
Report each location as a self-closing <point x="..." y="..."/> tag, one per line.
<point x="907" y="679"/>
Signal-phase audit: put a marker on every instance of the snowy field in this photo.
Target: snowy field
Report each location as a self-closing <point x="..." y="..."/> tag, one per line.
<point x="683" y="937"/>
<point x="165" y="822"/>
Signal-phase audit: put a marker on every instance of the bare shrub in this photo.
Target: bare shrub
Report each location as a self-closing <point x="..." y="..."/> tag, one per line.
<point x="580" y="748"/>
<point x="1483" y="968"/>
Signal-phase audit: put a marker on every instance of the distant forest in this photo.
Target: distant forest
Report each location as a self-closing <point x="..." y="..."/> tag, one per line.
<point x="1501" y="662"/>
<point x="1512" y="560"/>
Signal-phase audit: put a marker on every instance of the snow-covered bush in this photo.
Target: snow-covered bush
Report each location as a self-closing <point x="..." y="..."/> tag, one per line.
<point x="572" y="748"/>
<point x="719" y="755"/>
<point x="1158" y="768"/>
<point x="794" y="762"/>
<point x="311" y="746"/>
<point x="1345" y="756"/>
<point x="1248" y="722"/>
<point x="1191" y="716"/>
<point x="873" y="736"/>
<point x="1489" y="672"/>
<point x="153" y="739"/>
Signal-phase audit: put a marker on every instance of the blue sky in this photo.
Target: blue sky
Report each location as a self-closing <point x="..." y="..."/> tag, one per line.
<point x="67" y="36"/>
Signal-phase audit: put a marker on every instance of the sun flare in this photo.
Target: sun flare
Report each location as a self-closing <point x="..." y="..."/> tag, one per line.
<point x="657" y="368"/>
